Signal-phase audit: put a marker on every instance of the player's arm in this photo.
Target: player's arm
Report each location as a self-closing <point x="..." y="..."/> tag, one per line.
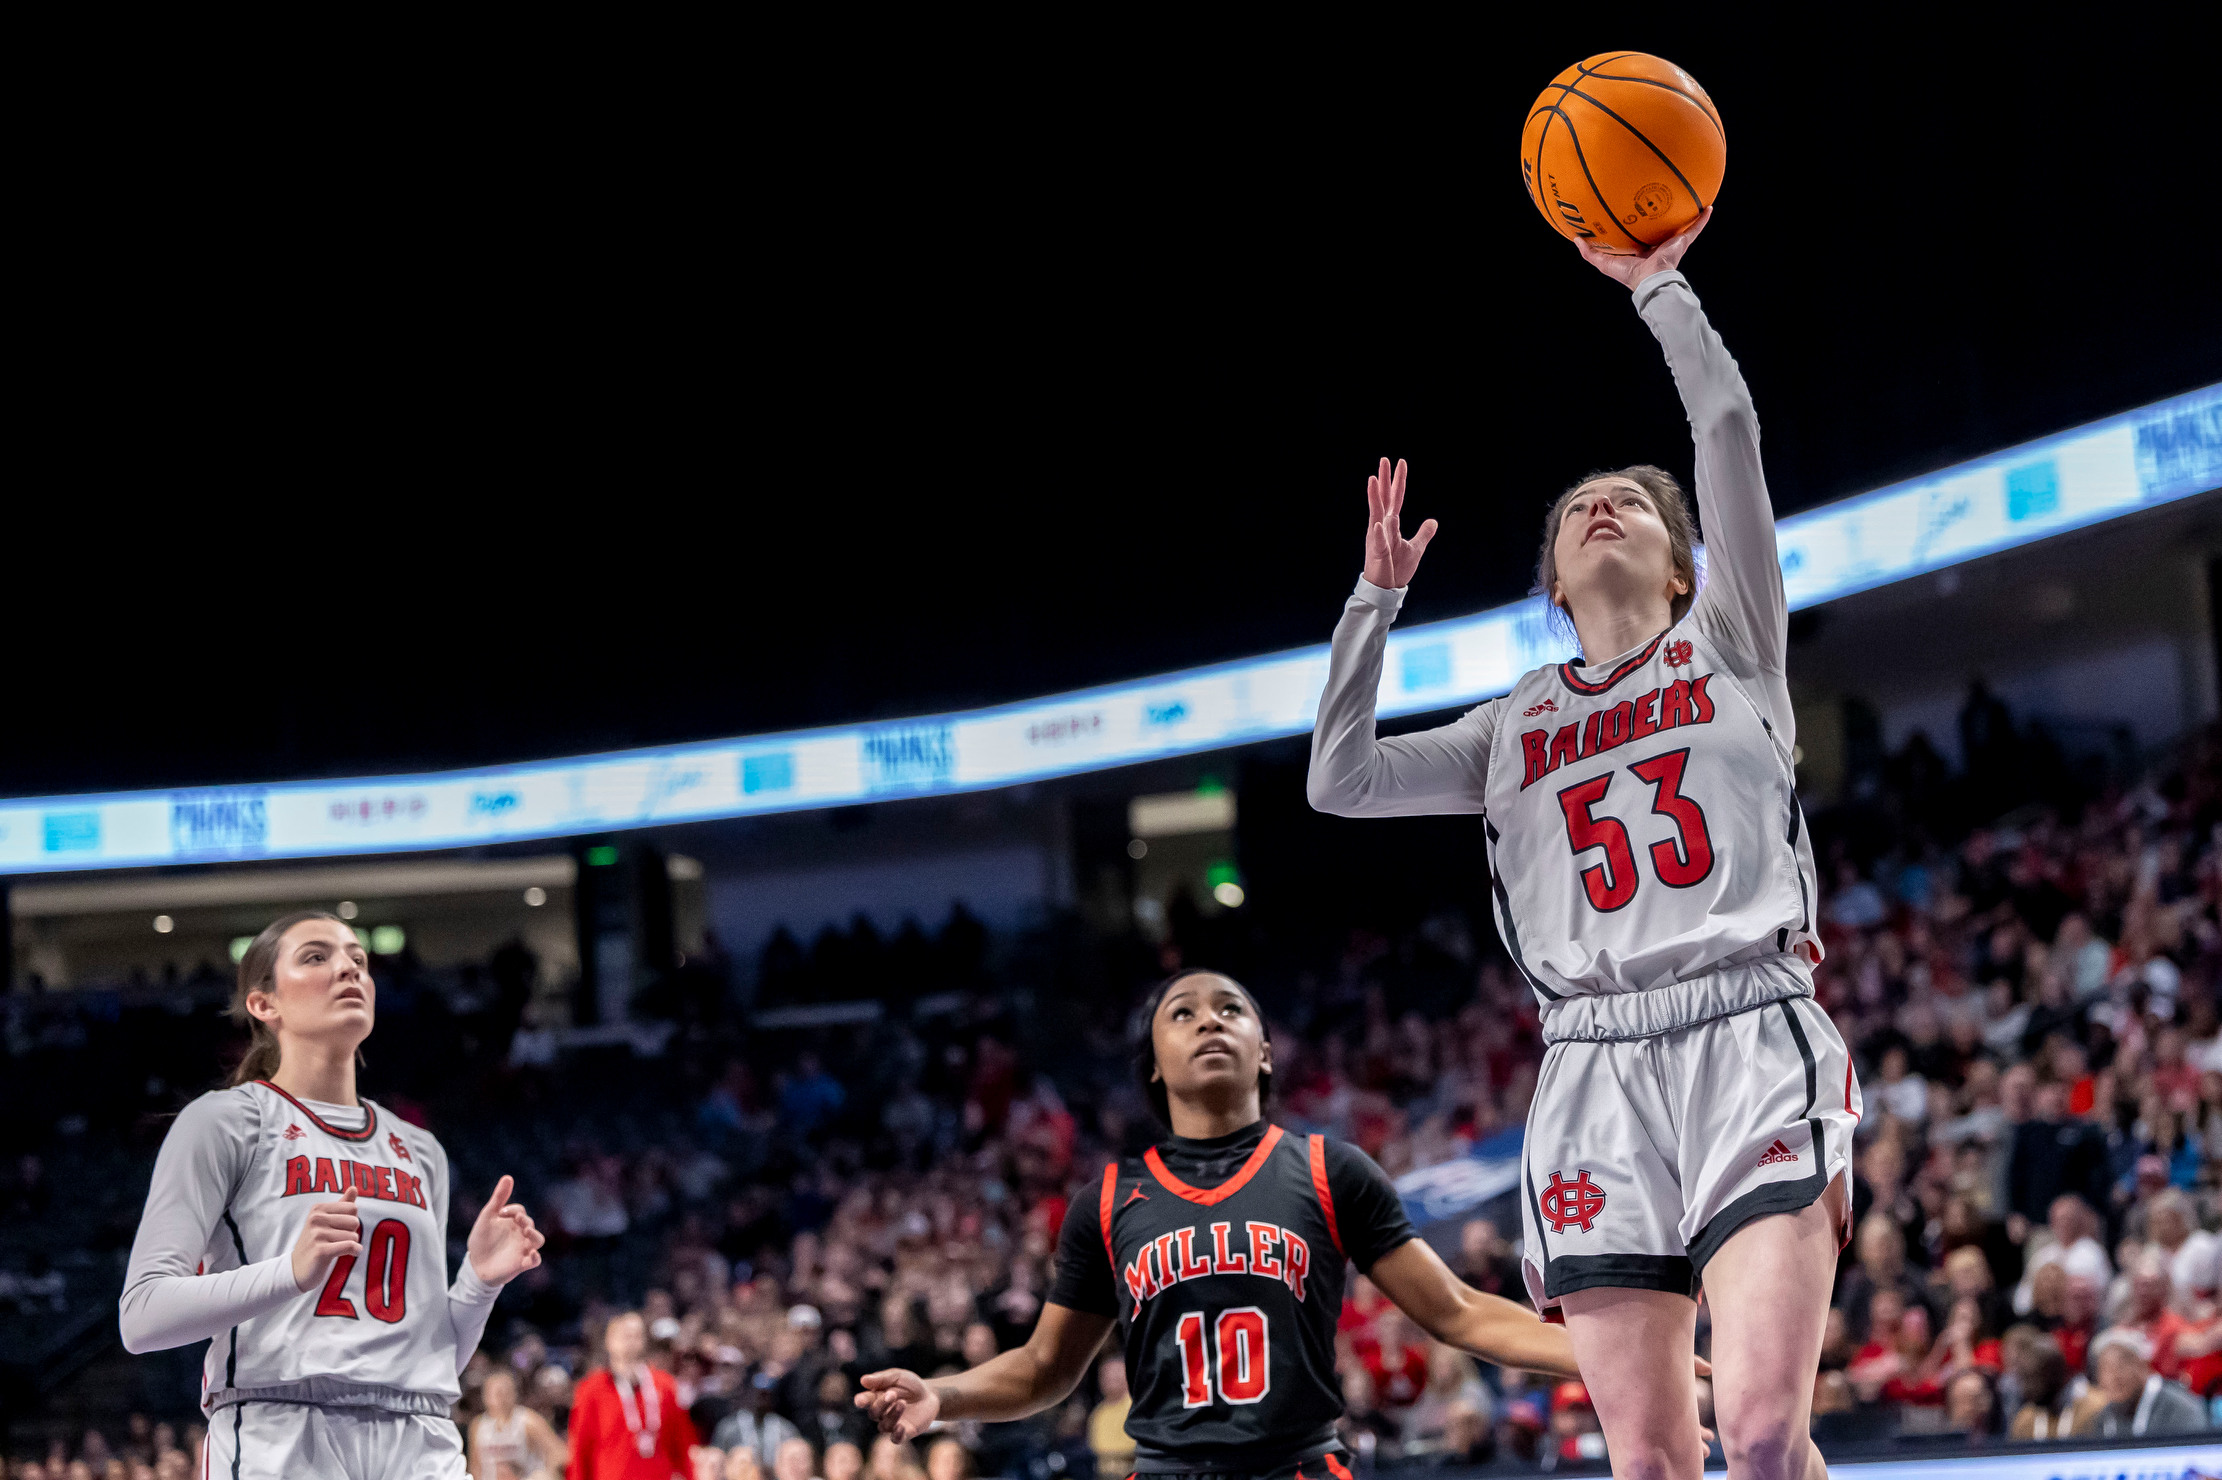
<point x="504" y="1243"/>
<point x="1456" y="1314"/>
<point x="1743" y="597"/>
<point x="1354" y="773"/>
<point x="1020" y="1382"/>
<point x="166" y="1303"/>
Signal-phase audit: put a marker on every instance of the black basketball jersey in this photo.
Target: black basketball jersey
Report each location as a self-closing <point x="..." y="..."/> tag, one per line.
<point x="1227" y="1295"/>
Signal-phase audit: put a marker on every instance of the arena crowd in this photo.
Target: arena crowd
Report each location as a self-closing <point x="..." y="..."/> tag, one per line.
<point x="2033" y="1007"/>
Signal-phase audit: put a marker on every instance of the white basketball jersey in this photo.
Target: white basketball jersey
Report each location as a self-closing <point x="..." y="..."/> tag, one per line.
<point x="1644" y="827"/>
<point x="377" y="1326"/>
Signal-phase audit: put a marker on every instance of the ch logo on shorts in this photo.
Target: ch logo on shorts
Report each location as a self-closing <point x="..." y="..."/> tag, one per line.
<point x="1578" y="1201"/>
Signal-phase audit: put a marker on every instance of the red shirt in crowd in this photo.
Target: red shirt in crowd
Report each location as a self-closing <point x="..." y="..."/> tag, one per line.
<point x="1398" y="1381"/>
<point x="607" y="1430"/>
<point x="2162" y="1331"/>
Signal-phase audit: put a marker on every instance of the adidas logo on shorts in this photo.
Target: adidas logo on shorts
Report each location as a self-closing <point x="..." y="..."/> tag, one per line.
<point x="1777" y="1152"/>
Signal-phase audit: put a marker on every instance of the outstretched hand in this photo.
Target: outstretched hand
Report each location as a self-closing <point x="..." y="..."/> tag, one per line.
<point x="504" y="1243"/>
<point x="1665" y="257"/>
<point x="900" y="1403"/>
<point x="1390" y="557"/>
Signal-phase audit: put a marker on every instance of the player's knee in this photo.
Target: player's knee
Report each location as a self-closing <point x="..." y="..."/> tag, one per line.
<point x="1652" y="1459"/>
<point x="1763" y="1445"/>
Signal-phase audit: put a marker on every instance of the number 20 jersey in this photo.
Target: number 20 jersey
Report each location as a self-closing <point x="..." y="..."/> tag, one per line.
<point x="1643" y="828"/>
<point x="375" y="1330"/>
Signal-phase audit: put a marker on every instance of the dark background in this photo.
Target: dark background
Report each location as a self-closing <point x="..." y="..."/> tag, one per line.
<point x="734" y="383"/>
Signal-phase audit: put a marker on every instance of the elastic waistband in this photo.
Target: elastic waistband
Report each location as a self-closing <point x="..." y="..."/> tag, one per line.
<point x="1722" y="992"/>
<point x="334" y="1392"/>
<point x="1234" y="1462"/>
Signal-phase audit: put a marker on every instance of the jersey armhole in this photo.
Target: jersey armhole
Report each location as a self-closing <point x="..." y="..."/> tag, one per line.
<point x="1326" y="1193"/>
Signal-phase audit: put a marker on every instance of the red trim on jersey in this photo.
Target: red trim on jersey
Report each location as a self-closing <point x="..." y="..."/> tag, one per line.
<point x="1635" y="661"/>
<point x="1104" y="1211"/>
<point x="1848" y="1088"/>
<point x="1326" y="1194"/>
<point x="370" y="1117"/>
<point x="1224" y="1190"/>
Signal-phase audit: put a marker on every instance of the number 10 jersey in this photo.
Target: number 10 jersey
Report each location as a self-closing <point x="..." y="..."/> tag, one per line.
<point x="1643" y="829"/>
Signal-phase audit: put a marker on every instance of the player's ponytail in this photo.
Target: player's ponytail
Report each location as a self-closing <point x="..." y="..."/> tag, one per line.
<point x="1667" y="501"/>
<point x="258" y="972"/>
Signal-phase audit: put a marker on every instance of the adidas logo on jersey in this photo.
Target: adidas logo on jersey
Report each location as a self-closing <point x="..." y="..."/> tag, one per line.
<point x="293" y="1133"/>
<point x="1777" y="1152"/>
<point x="1548" y="706"/>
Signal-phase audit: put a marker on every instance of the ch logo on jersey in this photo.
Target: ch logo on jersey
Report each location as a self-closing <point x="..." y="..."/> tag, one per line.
<point x="393" y="1139"/>
<point x="1678" y="654"/>
<point x="1577" y="1202"/>
<point x="293" y="1133"/>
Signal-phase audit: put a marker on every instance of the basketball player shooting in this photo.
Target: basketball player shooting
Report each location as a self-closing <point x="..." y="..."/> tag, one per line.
<point x="1220" y="1255"/>
<point x="1692" y="1124"/>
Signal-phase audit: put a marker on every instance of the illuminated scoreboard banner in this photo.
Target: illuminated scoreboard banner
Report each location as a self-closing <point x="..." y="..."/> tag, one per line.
<point x="2165" y="452"/>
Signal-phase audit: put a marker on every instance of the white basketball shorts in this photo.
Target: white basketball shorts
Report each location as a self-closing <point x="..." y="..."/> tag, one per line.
<point x="1644" y="1155"/>
<point x="260" y="1440"/>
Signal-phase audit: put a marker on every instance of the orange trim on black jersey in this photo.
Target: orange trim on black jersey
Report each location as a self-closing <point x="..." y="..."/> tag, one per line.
<point x="1224" y="1190"/>
<point x="370" y="1117"/>
<point x="1635" y="661"/>
<point x="1326" y="1194"/>
<point x="1104" y="1211"/>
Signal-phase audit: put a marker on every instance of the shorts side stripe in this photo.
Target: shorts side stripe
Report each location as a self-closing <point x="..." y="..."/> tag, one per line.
<point x="238" y="1441"/>
<point x="1805" y="1052"/>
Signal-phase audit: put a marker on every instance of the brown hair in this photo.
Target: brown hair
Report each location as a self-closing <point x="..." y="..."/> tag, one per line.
<point x="258" y="972"/>
<point x="1667" y="501"/>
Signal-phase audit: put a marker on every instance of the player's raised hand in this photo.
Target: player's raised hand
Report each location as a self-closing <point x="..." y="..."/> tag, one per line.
<point x="1630" y="271"/>
<point x="504" y="1242"/>
<point x="333" y="1230"/>
<point x="900" y="1403"/>
<point x="1390" y="557"/>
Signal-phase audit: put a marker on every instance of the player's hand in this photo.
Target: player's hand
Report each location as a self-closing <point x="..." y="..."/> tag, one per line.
<point x="504" y="1242"/>
<point x="332" y="1230"/>
<point x="900" y="1403"/>
<point x="1665" y="257"/>
<point x="1390" y="557"/>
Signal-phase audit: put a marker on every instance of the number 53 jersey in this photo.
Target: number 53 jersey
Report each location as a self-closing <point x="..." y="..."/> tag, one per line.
<point x="1643" y="829"/>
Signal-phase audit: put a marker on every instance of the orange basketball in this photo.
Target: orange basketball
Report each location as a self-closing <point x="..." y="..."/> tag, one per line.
<point x="1623" y="150"/>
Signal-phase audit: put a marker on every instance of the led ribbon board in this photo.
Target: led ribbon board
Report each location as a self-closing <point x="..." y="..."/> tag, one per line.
<point x="2164" y="452"/>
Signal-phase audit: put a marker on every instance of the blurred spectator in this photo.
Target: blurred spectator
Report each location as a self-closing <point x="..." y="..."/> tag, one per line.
<point x="506" y="1432"/>
<point x="626" y="1421"/>
<point x="2139" y="1401"/>
<point x="1107" y="1435"/>
<point x="1575" y="1433"/>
